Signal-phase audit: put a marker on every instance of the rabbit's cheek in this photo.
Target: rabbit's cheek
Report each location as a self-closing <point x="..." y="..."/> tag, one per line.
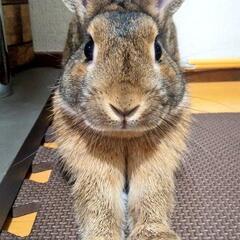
<point x="183" y="104"/>
<point x="79" y="71"/>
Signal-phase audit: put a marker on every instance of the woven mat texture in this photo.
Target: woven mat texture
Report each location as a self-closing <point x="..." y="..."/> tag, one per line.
<point x="207" y="187"/>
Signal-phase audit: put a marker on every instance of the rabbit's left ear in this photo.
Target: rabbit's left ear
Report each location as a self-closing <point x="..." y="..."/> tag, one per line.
<point x="159" y="8"/>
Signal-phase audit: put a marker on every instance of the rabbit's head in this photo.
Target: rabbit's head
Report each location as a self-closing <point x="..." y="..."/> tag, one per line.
<point x="122" y="79"/>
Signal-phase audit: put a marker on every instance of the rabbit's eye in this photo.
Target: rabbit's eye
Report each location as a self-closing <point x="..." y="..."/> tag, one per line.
<point x="158" y="50"/>
<point x="88" y="50"/>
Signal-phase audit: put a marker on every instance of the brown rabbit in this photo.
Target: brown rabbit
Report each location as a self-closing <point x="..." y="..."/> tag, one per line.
<point x="121" y="117"/>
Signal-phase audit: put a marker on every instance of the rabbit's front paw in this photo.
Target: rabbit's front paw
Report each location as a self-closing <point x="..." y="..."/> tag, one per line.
<point x="153" y="232"/>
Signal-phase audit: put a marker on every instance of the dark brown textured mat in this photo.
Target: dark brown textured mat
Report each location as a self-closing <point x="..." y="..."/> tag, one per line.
<point x="207" y="187"/>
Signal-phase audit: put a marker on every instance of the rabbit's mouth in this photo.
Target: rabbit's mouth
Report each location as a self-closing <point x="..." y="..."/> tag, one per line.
<point x="118" y="120"/>
<point x="115" y="121"/>
<point x="124" y="126"/>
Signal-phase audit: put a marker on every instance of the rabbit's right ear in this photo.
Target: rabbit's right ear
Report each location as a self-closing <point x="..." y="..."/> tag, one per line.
<point x="76" y="6"/>
<point x="70" y="5"/>
<point x="85" y="8"/>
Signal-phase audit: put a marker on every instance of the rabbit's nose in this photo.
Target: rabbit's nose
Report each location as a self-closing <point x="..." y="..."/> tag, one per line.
<point x="126" y="113"/>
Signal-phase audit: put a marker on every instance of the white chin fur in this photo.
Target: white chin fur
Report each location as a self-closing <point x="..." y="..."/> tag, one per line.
<point x="124" y="201"/>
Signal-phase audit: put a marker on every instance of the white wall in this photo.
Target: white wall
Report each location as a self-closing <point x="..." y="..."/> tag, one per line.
<point x="49" y="19"/>
<point x="207" y="28"/>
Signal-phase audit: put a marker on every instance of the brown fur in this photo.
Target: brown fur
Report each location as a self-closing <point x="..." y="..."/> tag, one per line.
<point x="102" y="157"/>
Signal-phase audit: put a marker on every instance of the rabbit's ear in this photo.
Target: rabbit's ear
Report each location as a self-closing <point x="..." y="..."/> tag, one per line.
<point x="77" y="7"/>
<point x="85" y="8"/>
<point x="70" y="4"/>
<point x="160" y="7"/>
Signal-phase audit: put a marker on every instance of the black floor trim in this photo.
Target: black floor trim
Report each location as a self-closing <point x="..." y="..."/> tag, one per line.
<point x="14" y="178"/>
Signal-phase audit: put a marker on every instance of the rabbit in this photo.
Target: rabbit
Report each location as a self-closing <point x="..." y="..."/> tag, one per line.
<point x="121" y="117"/>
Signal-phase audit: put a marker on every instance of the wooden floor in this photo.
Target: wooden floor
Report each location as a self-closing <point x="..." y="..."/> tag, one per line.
<point x="211" y="97"/>
<point x="215" y="97"/>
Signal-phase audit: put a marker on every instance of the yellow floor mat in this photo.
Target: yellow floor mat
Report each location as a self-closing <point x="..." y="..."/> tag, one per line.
<point x="41" y="177"/>
<point x="20" y="226"/>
